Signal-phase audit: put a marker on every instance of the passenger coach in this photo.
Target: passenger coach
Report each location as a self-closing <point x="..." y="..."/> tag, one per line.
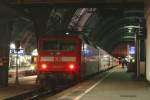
<point x="63" y="58"/>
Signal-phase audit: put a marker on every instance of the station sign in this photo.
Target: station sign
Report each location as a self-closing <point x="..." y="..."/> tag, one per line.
<point x="20" y="52"/>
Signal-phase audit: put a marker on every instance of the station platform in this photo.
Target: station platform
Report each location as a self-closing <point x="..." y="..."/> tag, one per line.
<point x="26" y="84"/>
<point x="116" y="84"/>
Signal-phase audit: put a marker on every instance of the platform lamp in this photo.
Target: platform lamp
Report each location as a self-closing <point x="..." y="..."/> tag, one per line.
<point x="17" y="43"/>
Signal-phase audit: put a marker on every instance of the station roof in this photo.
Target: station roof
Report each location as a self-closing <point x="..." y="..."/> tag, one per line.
<point x="106" y="23"/>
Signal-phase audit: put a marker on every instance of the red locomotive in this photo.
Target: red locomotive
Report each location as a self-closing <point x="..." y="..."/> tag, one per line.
<point x="63" y="58"/>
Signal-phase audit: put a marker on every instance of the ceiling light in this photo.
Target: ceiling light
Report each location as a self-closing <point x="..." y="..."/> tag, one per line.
<point x="67" y="33"/>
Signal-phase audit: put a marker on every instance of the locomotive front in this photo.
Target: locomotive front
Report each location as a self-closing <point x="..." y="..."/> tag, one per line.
<point x="59" y="57"/>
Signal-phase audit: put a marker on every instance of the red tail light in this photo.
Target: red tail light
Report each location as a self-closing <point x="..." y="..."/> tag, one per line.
<point x="71" y="66"/>
<point x="44" y="66"/>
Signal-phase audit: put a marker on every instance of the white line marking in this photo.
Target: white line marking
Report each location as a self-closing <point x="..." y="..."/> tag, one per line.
<point x="89" y="89"/>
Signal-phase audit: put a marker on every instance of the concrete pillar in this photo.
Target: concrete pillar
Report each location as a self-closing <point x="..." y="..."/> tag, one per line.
<point x="142" y="58"/>
<point x="148" y="49"/>
<point x="147" y="15"/>
<point x="4" y="53"/>
<point x="137" y="42"/>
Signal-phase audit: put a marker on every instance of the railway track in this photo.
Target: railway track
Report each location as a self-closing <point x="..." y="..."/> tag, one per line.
<point x="38" y="93"/>
<point x="33" y="94"/>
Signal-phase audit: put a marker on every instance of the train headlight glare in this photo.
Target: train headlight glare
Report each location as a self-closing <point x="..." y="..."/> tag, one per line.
<point x="71" y="66"/>
<point x="44" y="66"/>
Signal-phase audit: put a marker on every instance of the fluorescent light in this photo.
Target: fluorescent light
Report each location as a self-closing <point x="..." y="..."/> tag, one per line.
<point x="127" y="37"/>
<point x="132" y="26"/>
<point x="67" y="33"/>
<point x="12" y="46"/>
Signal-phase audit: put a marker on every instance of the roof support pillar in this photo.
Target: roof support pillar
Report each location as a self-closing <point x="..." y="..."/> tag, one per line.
<point x="4" y="52"/>
<point x="148" y="42"/>
<point x="39" y="16"/>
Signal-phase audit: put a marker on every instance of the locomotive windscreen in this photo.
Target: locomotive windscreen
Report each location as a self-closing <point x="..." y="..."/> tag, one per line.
<point x="63" y="45"/>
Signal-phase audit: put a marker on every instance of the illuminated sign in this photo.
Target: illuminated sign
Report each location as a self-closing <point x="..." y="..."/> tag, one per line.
<point x="132" y="50"/>
<point x="20" y="52"/>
